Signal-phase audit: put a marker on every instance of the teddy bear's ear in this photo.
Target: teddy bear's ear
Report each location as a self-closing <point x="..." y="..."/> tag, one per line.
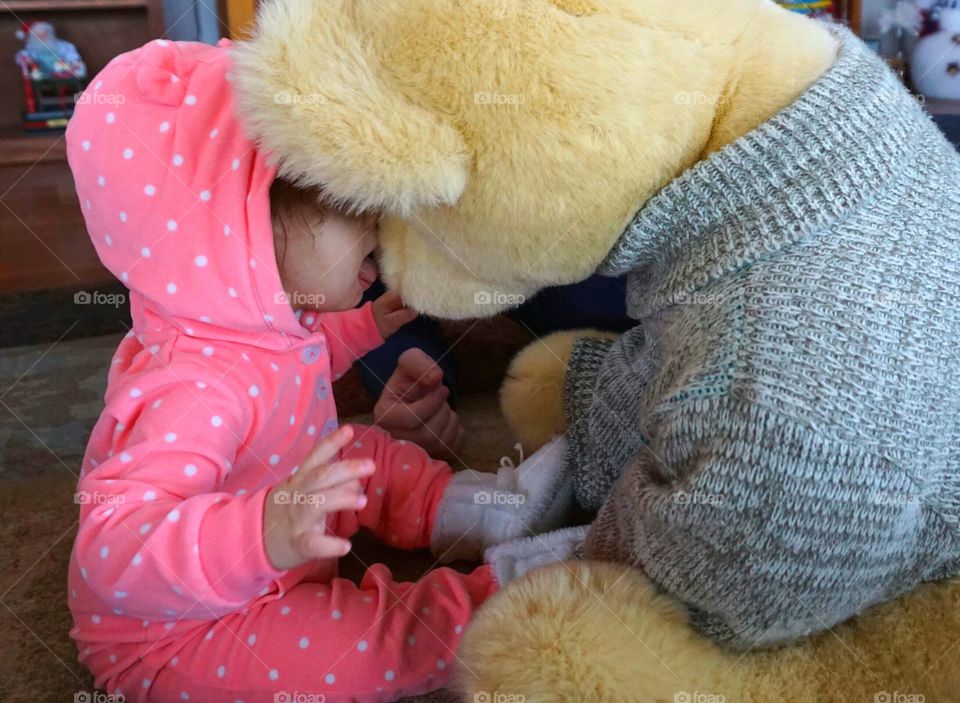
<point x="314" y="97"/>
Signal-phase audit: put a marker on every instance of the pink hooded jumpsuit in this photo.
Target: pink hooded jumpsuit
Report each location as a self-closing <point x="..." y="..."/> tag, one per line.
<point x="217" y="394"/>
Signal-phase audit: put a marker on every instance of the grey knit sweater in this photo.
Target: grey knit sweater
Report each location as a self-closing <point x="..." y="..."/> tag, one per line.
<point x="778" y="442"/>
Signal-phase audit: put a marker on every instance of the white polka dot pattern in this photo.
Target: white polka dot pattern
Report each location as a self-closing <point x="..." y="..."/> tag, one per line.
<point x="221" y="391"/>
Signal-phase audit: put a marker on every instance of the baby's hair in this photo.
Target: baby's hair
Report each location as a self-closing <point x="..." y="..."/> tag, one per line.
<point x="291" y="203"/>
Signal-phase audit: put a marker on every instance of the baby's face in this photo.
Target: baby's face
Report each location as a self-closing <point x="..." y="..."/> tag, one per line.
<point x="325" y="257"/>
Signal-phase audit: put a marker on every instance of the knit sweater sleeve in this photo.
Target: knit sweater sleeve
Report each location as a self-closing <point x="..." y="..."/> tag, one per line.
<point x="767" y="530"/>
<point x="601" y="427"/>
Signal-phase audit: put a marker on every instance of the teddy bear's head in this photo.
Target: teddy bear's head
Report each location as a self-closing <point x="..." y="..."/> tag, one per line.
<point x="507" y="142"/>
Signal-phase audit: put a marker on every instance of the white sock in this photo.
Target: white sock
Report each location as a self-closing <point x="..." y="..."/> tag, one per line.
<point x="512" y="560"/>
<point x="480" y="509"/>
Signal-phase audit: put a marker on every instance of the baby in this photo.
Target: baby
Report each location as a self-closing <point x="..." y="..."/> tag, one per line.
<point x="218" y="490"/>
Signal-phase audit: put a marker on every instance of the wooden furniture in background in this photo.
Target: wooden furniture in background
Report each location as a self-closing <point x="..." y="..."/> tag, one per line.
<point x="42" y="236"/>
<point x="854" y="14"/>
<point x="43" y="240"/>
<point x="238" y="16"/>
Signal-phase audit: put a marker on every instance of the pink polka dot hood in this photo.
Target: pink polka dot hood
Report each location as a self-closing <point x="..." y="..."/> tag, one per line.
<point x="220" y="389"/>
<point x="176" y="198"/>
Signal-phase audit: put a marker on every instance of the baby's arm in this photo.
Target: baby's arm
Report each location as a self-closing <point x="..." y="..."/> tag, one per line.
<point x="158" y="538"/>
<point x="295" y="531"/>
<point x="350" y="334"/>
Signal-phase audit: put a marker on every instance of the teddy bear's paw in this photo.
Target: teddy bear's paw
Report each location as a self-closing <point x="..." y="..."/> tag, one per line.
<point x="531" y="397"/>
<point x="588" y="631"/>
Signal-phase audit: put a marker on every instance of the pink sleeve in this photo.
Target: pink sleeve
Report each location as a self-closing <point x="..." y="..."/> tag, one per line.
<point x="158" y="538"/>
<point x="350" y="335"/>
<point x="407" y="485"/>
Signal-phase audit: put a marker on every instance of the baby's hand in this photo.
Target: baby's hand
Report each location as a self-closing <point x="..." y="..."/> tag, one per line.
<point x="391" y="314"/>
<point x="295" y="512"/>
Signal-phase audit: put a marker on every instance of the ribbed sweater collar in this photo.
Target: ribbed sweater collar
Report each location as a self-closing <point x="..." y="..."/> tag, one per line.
<point x="836" y="147"/>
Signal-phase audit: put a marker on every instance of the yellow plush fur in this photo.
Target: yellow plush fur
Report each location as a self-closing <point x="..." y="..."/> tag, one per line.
<point x="593" y="631"/>
<point x="531" y="397"/>
<point x="328" y="109"/>
<point x="587" y="631"/>
<point x="510" y="140"/>
<point x="907" y="646"/>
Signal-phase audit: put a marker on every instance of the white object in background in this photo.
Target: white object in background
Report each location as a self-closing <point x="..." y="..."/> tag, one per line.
<point x="935" y="66"/>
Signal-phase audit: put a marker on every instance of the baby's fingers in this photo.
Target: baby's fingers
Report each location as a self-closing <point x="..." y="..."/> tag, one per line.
<point x="317" y="545"/>
<point x="402" y="316"/>
<point x="391" y="300"/>
<point x="341" y="473"/>
<point x="327" y="449"/>
<point x="346" y="497"/>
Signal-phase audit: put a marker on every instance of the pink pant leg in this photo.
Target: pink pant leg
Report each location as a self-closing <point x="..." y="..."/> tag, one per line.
<point x="379" y="642"/>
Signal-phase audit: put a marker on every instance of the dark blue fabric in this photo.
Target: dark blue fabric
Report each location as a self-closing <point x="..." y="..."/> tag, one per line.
<point x="949" y="125"/>
<point x="423" y="333"/>
<point x="192" y="20"/>
<point x="597" y="303"/>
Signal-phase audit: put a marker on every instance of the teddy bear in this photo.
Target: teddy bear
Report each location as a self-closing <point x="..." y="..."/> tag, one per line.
<point x="767" y="459"/>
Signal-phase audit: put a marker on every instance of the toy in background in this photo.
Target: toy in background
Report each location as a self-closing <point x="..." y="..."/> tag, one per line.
<point x="899" y="25"/>
<point x="53" y="75"/>
<point x="935" y="61"/>
<point x="930" y="12"/>
<point x="815" y="8"/>
<point x="928" y="32"/>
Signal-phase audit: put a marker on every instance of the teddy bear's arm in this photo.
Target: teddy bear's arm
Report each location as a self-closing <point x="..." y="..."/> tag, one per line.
<point x="531" y="397"/>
